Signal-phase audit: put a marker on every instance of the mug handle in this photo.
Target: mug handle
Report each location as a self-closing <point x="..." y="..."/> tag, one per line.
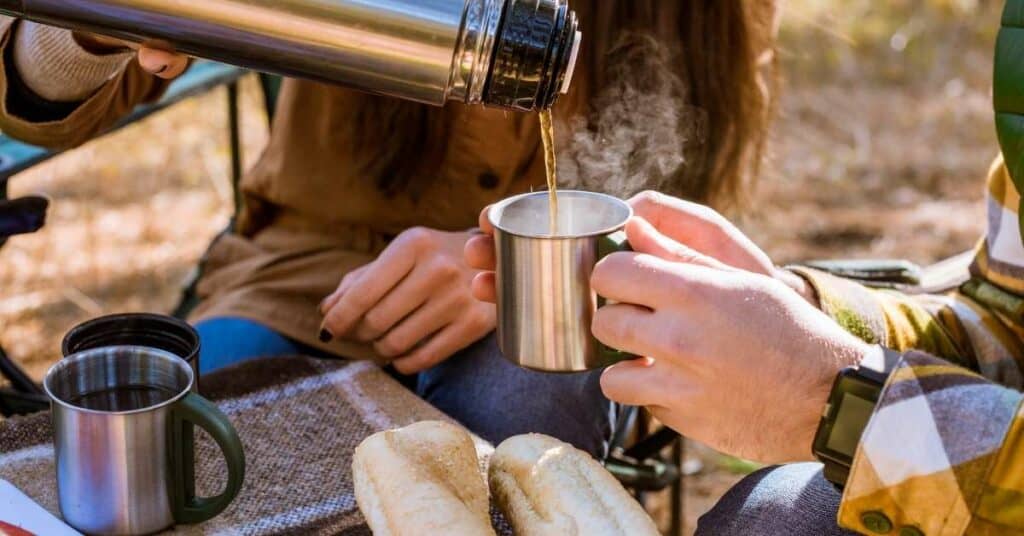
<point x="613" y="243"/>
<point x="198" y="411"/>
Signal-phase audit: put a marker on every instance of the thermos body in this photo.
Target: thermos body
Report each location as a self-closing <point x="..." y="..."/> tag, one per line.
<point x="511" y="53"/>
<point x="368" y="45"/>
<point x="516" y="54"/>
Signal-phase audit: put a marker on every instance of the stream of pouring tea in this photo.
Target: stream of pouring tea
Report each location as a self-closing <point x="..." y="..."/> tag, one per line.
<point x="547" y="134"/>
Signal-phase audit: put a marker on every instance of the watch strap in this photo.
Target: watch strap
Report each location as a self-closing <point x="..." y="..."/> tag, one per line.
<point x="836" y="474"/>
<point x="872" y="374"/>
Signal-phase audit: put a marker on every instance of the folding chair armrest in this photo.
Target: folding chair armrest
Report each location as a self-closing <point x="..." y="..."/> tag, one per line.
<point x="22" y="216"/>
<point x="642" y="475"/>
<point x="14" y="403"/>
<point x="652" y="444"/>
<point x="19" y="380"/>
<point x="201" y="77"/>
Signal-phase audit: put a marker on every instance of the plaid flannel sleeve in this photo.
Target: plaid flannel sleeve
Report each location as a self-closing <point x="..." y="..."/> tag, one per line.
<point x="952" y="326"/>
<point x="944" y="451"/>
<point x="942" y="455"/>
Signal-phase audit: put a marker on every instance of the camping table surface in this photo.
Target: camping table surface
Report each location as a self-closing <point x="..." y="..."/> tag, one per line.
<point x="299" y="419"/>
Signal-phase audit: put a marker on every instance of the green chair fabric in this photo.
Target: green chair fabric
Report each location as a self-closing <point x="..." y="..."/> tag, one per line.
<point x="271" y="85"/>
<point x="1008" y="94"/>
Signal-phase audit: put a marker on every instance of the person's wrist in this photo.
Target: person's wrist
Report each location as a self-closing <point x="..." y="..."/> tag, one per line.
<point x="800" y="285"/>
<point x="846" y="354"/>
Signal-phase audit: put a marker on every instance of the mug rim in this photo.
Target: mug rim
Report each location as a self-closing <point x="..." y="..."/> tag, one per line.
<point x="500" y="206"/>
<point x="87" y="354"/>
<point x="105" y="322"/>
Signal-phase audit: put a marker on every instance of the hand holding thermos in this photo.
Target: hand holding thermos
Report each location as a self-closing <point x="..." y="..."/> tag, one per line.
<point x="160" y="63"/>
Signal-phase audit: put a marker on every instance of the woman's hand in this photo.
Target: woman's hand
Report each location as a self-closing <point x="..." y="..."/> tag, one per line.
<point x="479" y="254"/>
<point x="736" y="359"/>
<point x="413" y="303"/>
<point x="157" y="62"/>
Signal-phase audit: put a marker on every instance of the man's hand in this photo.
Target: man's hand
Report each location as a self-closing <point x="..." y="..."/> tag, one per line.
<point x="692" y="228"/>
<point x="413" y="303"/>
<point x="703" y="230"/>
<point x="736" y="359"/>
<point x="157" y="62"/>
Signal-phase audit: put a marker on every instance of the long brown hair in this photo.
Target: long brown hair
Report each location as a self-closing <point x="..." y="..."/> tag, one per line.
<point x="721" y="52"/>
<point x="729" y="53"/>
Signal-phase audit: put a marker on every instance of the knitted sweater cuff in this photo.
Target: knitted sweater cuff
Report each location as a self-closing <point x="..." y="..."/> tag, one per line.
<point x="55" y="67"/>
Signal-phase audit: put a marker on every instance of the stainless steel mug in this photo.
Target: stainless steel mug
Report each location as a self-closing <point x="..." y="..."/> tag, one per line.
<point x="141" y="329"/>
<point x="514" y="54"/>
<point x="545" y="303"/>
<point x="120" y="416"/>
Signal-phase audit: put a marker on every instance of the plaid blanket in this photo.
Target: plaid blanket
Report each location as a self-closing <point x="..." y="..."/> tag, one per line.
<point x="299" y="419"/>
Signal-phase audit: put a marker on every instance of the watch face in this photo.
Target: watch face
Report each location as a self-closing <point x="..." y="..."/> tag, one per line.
<point x="851" y="419"/>
<point x="849" y="409"/>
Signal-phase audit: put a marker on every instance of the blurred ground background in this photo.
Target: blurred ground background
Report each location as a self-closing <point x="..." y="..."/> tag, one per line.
<point x="884" y="136"/>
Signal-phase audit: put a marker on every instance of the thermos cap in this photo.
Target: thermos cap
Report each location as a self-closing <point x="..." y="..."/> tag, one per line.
<point x="538" y="44"/>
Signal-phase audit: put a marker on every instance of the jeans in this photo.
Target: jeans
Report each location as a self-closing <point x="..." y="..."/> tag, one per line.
<point x="790" y="500"/>
<point x="227" y="341"/>
<point x="496" y="399"/>
<point x="477" y="386"/>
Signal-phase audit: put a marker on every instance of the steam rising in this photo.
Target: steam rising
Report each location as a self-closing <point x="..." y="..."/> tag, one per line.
<point x="640" y="126"/>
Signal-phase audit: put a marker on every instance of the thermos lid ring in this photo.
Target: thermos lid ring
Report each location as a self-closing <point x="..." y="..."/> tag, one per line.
<point x="532" y="50"/>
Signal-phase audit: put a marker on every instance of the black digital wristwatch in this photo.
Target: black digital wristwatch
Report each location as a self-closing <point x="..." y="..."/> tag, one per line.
<point x="850" y="406"/>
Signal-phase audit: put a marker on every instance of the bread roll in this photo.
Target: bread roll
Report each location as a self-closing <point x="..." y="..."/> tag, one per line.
<point x="547" y="487"/>
<point x="421" y="479"/>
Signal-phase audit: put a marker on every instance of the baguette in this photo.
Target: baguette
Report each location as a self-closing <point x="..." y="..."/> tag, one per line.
<point x="421" y="479"/>
<point x="547" y="487"/>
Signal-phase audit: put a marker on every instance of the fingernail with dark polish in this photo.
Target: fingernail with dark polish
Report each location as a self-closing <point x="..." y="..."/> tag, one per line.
<point x="325" y="336"/>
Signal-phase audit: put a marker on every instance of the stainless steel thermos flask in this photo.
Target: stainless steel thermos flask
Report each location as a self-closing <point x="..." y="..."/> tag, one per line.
<point x="513" y="54"/>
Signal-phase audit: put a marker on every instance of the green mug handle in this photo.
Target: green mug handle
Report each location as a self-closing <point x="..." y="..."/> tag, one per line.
<point x="194" y="410"/>
<point x="613" y="243"/>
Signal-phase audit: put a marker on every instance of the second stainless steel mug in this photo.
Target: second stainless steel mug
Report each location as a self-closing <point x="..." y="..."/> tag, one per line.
<point x="545" y="303"/>
<point x="122" y="418"/>
<point x="137" y="329"/>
